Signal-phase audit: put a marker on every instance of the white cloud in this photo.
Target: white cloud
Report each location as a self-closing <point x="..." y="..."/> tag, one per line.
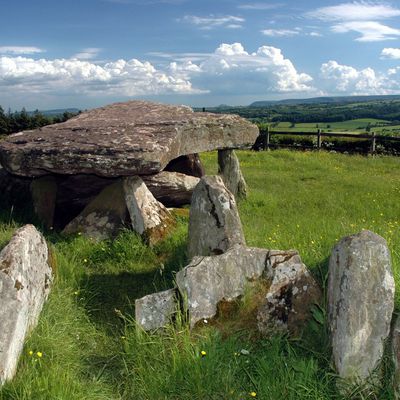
<point x="371" y="31"/>
<point x="232" y="70"/>
<point x="20" y="50"/>
<point x="390" y="52"/>
<point x="361" y="17"/>
<point x="315" y="34"/>
<point x="58" y="76"/>
<point x="345" y="79"/>
<point x="212" y="21"/>
<point x="280" y="32"/>
<point x="87" y="54"/>
<point x="355" y="11"/>
<point x="259" y="6"/>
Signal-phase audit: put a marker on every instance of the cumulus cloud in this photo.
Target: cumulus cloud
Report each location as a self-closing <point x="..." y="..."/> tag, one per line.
<point x="229" y="70"/>
<point x="280" y="32"/>
<point x="362" y="17"/>
<point x="20" y="50"/>
<point x="339" y="78"/>
<point x="121" y="77"/>
<point x="212" y="21"/>
<point x="233" y="70"/>
<point x="391" y="53"/>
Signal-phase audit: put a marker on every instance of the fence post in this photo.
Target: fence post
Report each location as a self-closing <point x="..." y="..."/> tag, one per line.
<point x="319" y="139"/>
<point x="373" y="144"/>
<point x="266" y="145"/>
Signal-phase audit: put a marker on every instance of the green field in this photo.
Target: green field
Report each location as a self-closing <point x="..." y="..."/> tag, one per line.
<point x="93" y="351"/>
<point x="356" y="125"/>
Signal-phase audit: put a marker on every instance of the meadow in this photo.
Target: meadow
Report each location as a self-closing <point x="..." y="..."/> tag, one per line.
<point x="87" y="345"/>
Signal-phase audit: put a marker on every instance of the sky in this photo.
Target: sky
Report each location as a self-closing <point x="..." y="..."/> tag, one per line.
<point x="88" y="53"/>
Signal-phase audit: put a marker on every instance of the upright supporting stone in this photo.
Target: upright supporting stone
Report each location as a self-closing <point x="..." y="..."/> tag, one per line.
<point x="214" y="222"/>
<point x="44" y="193"/>
<point x="360" y="304"/>
<point x="104" y="216"/>
<point x="25" y="279"/>
<point x="229" y="169"/>
<point x="148" y="216"/>
<point x="395" y="342"/>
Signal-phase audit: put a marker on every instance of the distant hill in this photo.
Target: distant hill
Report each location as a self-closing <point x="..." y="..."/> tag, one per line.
<point x="57" y="111"/>
<point x="322" y="100"/>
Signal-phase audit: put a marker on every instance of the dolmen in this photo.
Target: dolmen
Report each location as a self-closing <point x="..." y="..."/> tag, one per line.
<point x="121" y="165"/>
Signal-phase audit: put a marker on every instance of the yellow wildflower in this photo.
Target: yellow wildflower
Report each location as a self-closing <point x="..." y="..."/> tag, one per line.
<point x="253" y="394"/>
<point x="39" y="354"/>
<point x="30" y="353"/>
<point x="203" y="353"/>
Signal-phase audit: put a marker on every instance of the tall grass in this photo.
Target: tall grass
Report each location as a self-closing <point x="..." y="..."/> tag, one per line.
<point x="92" y="349"/>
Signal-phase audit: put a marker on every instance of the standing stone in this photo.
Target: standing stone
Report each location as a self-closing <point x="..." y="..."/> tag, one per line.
<point x="44" y="193"/>
<point x="25" y="278"/>
<point x="360" y="303"/>
<point x="104" y="216"/>
<point x="148" y="216"/>
<point x="292" y="293"/>
<point x="229" y="169"/>
<point x="214" y="223"/>
<point x="155" y="311"/>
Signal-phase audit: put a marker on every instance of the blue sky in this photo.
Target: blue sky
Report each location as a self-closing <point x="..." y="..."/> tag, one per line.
<point x="89" y="53"/>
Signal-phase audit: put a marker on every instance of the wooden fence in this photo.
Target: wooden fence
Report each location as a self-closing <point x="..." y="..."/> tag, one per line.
<point x="264" y="141"/>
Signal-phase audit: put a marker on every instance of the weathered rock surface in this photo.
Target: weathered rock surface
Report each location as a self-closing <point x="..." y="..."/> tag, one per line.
<point x="395" y="344"/>
<point x="214" y="222"/>
<point x="172" y="189"/>
<point x="25" y="278"/>
<point x="188" y="165"/>
<point x="104" y="216"/>
<point x="148" y="216"/>
<point x="155" y="311"/>
<point x="229" y="169"/>
<point x="360" y="303"/>
<point x="290" y="290"/>
<point x="44" y="193"/>
<point x="293" y="291"/>
<point x="122" y="139"/>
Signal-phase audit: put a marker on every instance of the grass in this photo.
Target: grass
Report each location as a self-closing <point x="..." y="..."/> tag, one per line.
<point x="92" y="349"/>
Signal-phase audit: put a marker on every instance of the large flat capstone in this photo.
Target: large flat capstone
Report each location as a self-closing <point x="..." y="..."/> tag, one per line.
<point x="123" y="139"/>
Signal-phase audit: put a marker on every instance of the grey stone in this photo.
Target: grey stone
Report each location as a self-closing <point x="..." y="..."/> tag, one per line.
<point x="25" y="279"/>
<point x="148" y="216"/>
<point x="395" y="347"/>
<point x="208" y="280"/>
<point x="172" y="189"/>
<point x="229" y="169"/>
<point x="360" y="303"/>
<point x="214" y="223"/>
<point x="292" y="292"/>
<point x="155" y="311"/>
<point x="288" y="289"/>
<point x="104" y="216"/>
<point x="123" y="139"/>
<point x="44" y="194"/>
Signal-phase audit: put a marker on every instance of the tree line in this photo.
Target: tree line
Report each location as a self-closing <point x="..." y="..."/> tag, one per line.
<point x="12" y="122"/>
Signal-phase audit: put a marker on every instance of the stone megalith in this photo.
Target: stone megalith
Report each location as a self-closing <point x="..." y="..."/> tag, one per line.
<point x="229" y="169"/>
<point x="172" y="189"/>
<point x="395" y="350"/>
<point x="104" y="216"/>
<point x="156" y="310"/>
<point x="148" y="216"/>
<point x="25" y="279"/>
<point x="290" y="296"/>
<point x="214" y="222"/>
<point x="360" y="303"/>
